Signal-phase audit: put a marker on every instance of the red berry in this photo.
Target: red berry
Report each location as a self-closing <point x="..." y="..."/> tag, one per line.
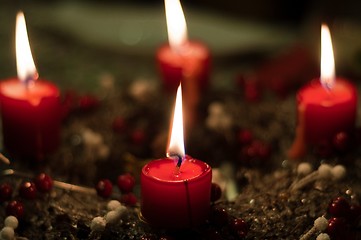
<point x="216" y="192"/>
<point x="104" y="188"/>
<point x="252" y="92"/>
<point x="256" y="153"/>
<point x="339" y="207"/>
<point x="15" y="208"/>
<point x="27" y="190"/>
<point x="126" y="183"/>
<point x="219" y="216"/>
<point x="238" y="225"/>
<point x="138" y="136"/>
<point x="341" y="141"/>
<point x="263" y="151"/>
<point x="119" y="125"/>
<point x="128" y="199"/>
<point x="249" y="153"/>
<point x="6" y="192"/>
<point x="43" y="182"/>
<point x="88" y="102"/>
<point x="245" y="137"/>
<point x="337" y="227"/>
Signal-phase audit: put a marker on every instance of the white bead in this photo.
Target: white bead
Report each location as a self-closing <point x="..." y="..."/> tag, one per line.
<point x="113" y="204"/>
<point x="338" y="172"/>
<point x="212" y="122"/>
<point x="92" y="138"/>
<point x="321" y="223"/>
<point x="324" y="171"/>
<point x="215" y="109"/>
<point x="304" y="168"/>
<point x="323" y="236"/>
<point x="98" y="224"/>
<point x="121" y="209"/>
<point x="225" y="122"/>
<point x="112" y="216"/>
<point x="142" y="89"/>
<point x="7" y="233"/>
<point x="11" y="221"/>
<point x="103" y="151"/>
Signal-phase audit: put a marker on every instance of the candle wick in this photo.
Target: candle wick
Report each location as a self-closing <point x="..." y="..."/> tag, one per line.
<point x="30" y="79"/>
<point x="179" y="161"/>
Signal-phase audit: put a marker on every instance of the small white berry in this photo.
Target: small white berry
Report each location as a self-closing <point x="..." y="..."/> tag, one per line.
<point x="98" y="224"/>
<point x="92" y="138"/>
<point x="216" y="108"/>
<point x="304" y="168"/>
<point x="321" y="223"/>
<point x="7" y="233"/>
<point x="103" y="151"/>
<point x="112" y="216"/>
<point x="113" y="204"/>
<point x="142" y="90"/>
<point x="324" y="171"/>
<point x="121" y="209"/>
<point x="338" y="172"/>
<point x="11" y="221"/>
<point x="323" y="236"/>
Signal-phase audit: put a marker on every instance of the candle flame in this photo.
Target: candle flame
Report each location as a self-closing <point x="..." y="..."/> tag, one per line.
<point x="24" y="61"/>
<point x="176" y="142"/>
<point x="327" y="59"/>
<point x="176" y="24"/>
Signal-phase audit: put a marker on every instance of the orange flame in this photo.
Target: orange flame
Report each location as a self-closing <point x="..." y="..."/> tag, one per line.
<point x="176" y="24"/>
<point x="24" y="61"/>
<point x="327" y="59"/>
<point x="176" y="142"/>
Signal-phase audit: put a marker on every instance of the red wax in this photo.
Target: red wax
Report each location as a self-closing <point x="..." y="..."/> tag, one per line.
<point x="194" y="59"/>
<point x="31" y="118"/>
<point x="326" y="112"/>
<point x="173" y="201"/>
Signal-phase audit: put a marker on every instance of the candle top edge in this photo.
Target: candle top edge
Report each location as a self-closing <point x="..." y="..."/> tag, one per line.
<point x="314" y="93"/>
<point x="163" y="170"/>
<point x="15" y="90"/>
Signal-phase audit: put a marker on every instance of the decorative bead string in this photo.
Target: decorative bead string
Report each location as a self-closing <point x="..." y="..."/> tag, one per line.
<point x="116" y="210"/>
<point x="319" y="225"/>
<point x="58" y="184"/>
<point x="325" y="171"/>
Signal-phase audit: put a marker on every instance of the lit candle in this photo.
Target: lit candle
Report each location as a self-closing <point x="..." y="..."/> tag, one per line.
<point x="30" y="108"/>
<point x="175" y="191"/>
<point x="326" y="106"/>
<point x="182" y="59"/>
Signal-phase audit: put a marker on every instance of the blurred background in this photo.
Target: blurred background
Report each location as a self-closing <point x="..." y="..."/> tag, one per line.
<point x="75" y="43"/>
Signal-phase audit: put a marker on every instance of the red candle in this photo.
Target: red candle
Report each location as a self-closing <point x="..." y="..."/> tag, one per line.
<point x="30" y="110"/>
<point x="324" y="107"/>
<point x="176" y="190"/>
<point x="182" y="59"/>
<point x="194" y="61"/>
<point x="175" y="201"/>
